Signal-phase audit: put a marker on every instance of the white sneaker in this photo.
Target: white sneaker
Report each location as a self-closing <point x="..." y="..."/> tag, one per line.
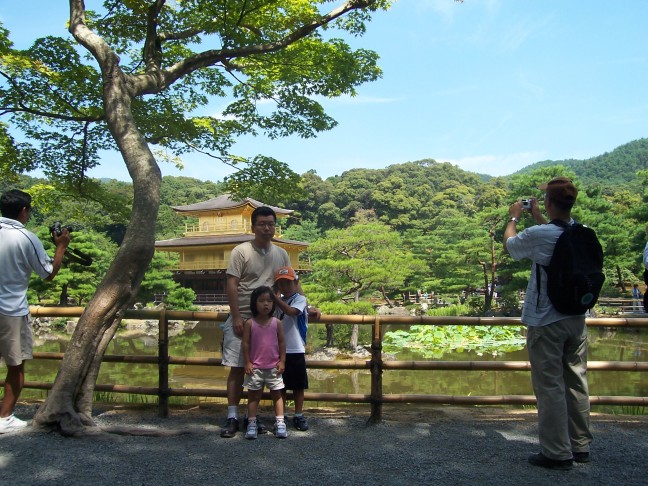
<point x="11" y="424"/>
<point x="280" y="430"/>
<point x="251" y="431"/>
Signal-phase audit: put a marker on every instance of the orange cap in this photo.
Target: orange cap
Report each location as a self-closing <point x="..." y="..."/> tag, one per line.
<point x="285" y="272"/>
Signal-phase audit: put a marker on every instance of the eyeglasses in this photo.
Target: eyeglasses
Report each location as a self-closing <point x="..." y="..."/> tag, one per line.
<point x="265" y="225"/>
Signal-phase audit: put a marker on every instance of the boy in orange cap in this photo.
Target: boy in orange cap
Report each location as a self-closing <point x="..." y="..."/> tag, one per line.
<point x="292" y="311"/>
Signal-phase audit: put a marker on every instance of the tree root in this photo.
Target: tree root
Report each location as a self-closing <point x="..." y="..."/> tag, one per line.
<point x="135" y="431"/>
<point x="71" y="423"/>
<point x="93" y="430"/>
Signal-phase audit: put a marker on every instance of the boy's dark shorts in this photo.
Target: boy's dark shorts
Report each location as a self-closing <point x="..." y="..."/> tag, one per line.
<point x="295" y="376"/>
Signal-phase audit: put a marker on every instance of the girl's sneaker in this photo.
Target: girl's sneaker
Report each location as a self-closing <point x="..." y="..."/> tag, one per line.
<point x="280" y="430"/>
<point x="261" y="429"/>
<point x="251" y="431"/>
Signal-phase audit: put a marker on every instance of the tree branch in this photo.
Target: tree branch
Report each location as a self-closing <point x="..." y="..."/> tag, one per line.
<point x="21" y="107"/>
<point x="217" y="157"/>
<point x="214" y="56"/>
<point x="153" y="44"/>
<point x="98" y="47"/>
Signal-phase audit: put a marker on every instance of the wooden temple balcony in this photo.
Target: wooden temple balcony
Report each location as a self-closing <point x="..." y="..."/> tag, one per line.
<point x="220" y="229"/>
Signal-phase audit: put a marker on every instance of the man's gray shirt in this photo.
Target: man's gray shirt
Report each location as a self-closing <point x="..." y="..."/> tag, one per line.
<point x="537" y="244"/>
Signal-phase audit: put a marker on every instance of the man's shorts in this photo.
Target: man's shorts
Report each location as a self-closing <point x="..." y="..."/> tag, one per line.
<point x="260" y="377"/>
<point x="232" y="346"/>
<point x="295" y="376"/>
<point x="16" y="341"/>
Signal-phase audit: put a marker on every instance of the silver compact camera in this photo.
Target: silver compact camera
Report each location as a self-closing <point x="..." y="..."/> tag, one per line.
<point x="526" y="203"/>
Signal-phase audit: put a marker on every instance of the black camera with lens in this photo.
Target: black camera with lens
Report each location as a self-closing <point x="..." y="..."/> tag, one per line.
<point x="526" y="203"/>
<point x="71" y="255"/>
<point x="57" y="228"/>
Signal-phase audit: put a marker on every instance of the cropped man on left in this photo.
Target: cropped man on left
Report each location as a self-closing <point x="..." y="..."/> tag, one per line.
<point x="21" y="253"/>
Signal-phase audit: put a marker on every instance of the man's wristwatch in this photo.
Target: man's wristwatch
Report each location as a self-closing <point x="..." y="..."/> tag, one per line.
<point x="514" y="219"/>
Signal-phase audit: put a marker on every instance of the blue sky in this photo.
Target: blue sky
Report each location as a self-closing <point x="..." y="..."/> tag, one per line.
<point x="488" y="85"/>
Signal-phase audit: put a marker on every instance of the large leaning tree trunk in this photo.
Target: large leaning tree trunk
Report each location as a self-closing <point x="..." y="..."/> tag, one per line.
<point x="69" y="404"/>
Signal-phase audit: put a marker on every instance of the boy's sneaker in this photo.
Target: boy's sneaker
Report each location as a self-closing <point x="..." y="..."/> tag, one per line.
<point x="230" y="429"/>
<point x="251" y="431"/>
<point x="280" y="430"/>
<point x="300" y="422"/>
<point x="11" y="424"/>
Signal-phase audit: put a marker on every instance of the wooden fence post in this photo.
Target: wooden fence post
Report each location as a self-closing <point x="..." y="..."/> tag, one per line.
<point x="163" y="365"/>
<point x="376" y="367"/>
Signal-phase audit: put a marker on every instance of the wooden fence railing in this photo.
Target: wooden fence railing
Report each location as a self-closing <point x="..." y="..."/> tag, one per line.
<point x="622" y="305"/>
<point x="377" y="366"/>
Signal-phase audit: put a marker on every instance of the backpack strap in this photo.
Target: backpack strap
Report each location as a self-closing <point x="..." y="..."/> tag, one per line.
<point x="538" y="286"/>
<point x="562" y="224"/>
<point x="289" y="302"/>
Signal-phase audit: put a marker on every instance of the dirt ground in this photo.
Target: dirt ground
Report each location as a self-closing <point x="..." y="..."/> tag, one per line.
<point x="413" y="444"/>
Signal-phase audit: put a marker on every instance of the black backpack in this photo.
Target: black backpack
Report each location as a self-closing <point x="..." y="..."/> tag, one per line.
<point x="575" y="272"/>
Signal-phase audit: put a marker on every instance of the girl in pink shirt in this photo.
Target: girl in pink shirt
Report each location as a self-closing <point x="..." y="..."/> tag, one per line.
<point x="264" y="351"/>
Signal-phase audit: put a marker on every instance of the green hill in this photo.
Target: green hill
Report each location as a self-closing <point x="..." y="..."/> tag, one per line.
<point x="617" y="167"/>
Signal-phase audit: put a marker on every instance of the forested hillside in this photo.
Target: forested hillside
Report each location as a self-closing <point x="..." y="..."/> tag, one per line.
<point x="421" y="225"/>
<point x="617" y="167"/>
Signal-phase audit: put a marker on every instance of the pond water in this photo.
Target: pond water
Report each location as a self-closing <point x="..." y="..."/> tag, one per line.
<point x="605" y="344"/>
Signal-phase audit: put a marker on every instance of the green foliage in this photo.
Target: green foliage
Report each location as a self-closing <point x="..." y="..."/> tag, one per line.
<point x="317" y="295"/>
<point x="181" y="191"/>
<point x="358" y="259"/>
<point x="317" y="193"/>
<point x="305" y="231"/>
<point x="158" y="279"/>
<point x="445" y="246"/>
<point x="362" y="308"/>
<point x="342" y="333"/>
<point x="611" y="168"/>
<point x="434" y="341"/>
<point x="438" y="247"/>
<point x="509" y="303"/>
<point x="265" y="65"/>
<point x="75" y="283"/>
<point x="451" y="310"/>
<point x="442" y="220"/>
<point x="254" y="182"/>
<point x="475" y="305"/>
<point x="181" y="298"/>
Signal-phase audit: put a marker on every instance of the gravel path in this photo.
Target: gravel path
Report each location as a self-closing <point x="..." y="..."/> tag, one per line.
<point x="415" y="445"/>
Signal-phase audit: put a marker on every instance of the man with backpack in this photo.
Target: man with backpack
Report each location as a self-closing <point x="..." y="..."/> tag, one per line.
<point x="557" y="339"/>
<point x="645" y="274"/>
